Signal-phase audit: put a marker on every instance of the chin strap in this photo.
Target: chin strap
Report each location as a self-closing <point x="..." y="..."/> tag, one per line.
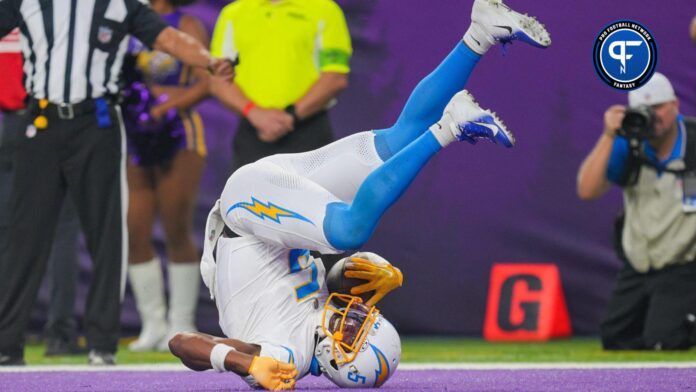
<point x="314" y="368"/>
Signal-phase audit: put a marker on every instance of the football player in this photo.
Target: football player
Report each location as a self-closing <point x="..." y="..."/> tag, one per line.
<point x="274" y="307"/>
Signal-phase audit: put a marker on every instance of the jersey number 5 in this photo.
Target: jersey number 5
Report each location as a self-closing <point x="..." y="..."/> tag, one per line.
<point x="299" y="259"/>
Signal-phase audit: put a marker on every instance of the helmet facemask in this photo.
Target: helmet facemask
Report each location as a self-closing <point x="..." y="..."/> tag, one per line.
<point x="347" y="321"/>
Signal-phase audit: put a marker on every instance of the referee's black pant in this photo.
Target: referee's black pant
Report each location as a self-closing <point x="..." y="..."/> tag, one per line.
<point x="71" y="158"/>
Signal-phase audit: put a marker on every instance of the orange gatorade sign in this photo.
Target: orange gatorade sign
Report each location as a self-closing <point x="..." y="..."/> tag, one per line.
<point x="525" y="303"/>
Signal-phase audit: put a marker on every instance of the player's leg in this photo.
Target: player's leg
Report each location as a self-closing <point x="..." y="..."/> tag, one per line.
<point x="339" y="167"/>
<point x="342" y="166"/>
<point x="349" y="225"/>
<point x="144" y="269"/>
<point x="278" y="206"/>
<point x="492" y="22"/>
<point x="288" y="209"/>
<point x="177" y="191"/>
<point x="427" y="100"/>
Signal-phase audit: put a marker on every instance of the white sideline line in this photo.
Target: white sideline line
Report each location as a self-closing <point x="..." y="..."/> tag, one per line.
<point x="544" y="365"/>
<point x="147" y="367"/>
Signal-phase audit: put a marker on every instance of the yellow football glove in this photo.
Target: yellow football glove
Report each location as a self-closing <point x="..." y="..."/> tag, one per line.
<point x="381" y="277"/>
<point x="272" y="374"/>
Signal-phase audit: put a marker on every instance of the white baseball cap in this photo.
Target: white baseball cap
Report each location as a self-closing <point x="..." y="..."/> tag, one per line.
<point x="657" y="90"/>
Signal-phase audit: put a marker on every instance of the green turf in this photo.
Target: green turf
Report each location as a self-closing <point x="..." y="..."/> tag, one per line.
<point x="440" y="350"/>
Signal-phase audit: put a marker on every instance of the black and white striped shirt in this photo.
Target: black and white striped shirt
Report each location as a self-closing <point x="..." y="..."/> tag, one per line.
<point x="74" y="49"/>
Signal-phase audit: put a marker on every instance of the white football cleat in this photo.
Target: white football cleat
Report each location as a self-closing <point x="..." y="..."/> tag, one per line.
<point x="464" y="120"/>
<point x="492" y="21"/>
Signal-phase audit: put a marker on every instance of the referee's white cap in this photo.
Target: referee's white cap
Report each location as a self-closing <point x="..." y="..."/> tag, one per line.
<point x="658" y="90"/>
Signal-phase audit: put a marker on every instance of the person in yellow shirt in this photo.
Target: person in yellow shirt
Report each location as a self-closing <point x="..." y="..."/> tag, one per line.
<point x="291" y="60"/>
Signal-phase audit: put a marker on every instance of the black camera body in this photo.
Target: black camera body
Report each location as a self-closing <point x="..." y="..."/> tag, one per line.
<point x="638" y="123"/>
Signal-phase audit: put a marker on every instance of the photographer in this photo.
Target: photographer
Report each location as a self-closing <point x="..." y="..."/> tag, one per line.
<point x="649" y="149"/>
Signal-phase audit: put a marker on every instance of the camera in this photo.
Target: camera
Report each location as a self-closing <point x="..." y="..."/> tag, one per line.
<point x="638" y="123"/>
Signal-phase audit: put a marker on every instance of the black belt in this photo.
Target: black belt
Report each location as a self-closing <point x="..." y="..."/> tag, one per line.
<point x="227" y="233"/>
<point x="68" y="111"/>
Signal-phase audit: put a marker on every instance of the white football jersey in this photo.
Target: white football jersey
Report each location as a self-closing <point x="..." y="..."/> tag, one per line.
<point x="271" y="296"/>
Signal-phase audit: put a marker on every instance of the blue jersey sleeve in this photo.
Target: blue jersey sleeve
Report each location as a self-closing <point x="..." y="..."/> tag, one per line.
<point x="617" y="161"/>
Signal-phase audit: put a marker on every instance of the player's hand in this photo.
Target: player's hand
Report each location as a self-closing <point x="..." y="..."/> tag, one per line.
<point x="612" y="119"/>
<point x="382" y="278"/>
<point x="272" y="374"/>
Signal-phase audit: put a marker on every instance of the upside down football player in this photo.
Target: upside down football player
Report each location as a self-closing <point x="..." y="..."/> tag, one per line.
<point x="268" y="288"/>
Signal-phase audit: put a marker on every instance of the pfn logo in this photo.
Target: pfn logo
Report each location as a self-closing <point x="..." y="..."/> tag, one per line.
<point x="621" y="54"/>
<point x="625" y="55"/>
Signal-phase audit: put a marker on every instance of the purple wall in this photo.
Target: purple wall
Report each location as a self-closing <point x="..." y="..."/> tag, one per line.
<point x="475" y="205"/>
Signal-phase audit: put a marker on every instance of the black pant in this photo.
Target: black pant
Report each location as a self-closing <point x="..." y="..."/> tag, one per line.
<point x="308" y="135"/>
<point x="78" y="159"/>
<point x="62" y="271"/>
<point x="63" y="262"/>
<point x="648" y="311"/>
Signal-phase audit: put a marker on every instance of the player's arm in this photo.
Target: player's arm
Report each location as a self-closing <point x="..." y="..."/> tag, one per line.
<point x="381" y="276"/>
<point x="194" y="348"/>
<point x="592" y="181"/>
<point x="200" y="351"/>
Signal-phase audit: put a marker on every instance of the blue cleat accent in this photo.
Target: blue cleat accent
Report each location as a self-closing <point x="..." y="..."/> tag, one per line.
<point x="492" y="21"/>
<point x="486" y="127"/>
<point x="464" y="120"/>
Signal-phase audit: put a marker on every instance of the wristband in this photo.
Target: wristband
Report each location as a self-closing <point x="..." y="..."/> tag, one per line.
<point x="247" y="108"/>
<point x="290" y="109"/>
<point x="218" y="355"/>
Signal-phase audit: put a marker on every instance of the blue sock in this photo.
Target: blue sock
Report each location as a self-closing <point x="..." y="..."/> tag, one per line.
<point x="349" y="226"/>
<point x="427" y="101"/>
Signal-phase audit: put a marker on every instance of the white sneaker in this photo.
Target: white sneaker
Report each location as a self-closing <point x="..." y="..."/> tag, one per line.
<point x="492" y="21"/>
<point x="464" y="120"/>
<point x="101" y="358"/>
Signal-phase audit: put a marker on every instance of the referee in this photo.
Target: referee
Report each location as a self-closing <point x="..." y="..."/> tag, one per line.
<point x="74" y="146"/>
<point x="293" y="60"/>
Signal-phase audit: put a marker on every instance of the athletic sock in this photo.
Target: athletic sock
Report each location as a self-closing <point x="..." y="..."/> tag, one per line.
<point x="477" y="40"/>
<point x="349" y="226"/>
<point x="427" y="101"/>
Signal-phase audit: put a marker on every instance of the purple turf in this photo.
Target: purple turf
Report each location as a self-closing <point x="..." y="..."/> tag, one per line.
<point x="663" y="379"/>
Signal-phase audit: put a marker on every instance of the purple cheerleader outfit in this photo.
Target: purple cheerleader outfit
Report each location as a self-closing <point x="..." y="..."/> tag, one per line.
<point x="156" y="142"/>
